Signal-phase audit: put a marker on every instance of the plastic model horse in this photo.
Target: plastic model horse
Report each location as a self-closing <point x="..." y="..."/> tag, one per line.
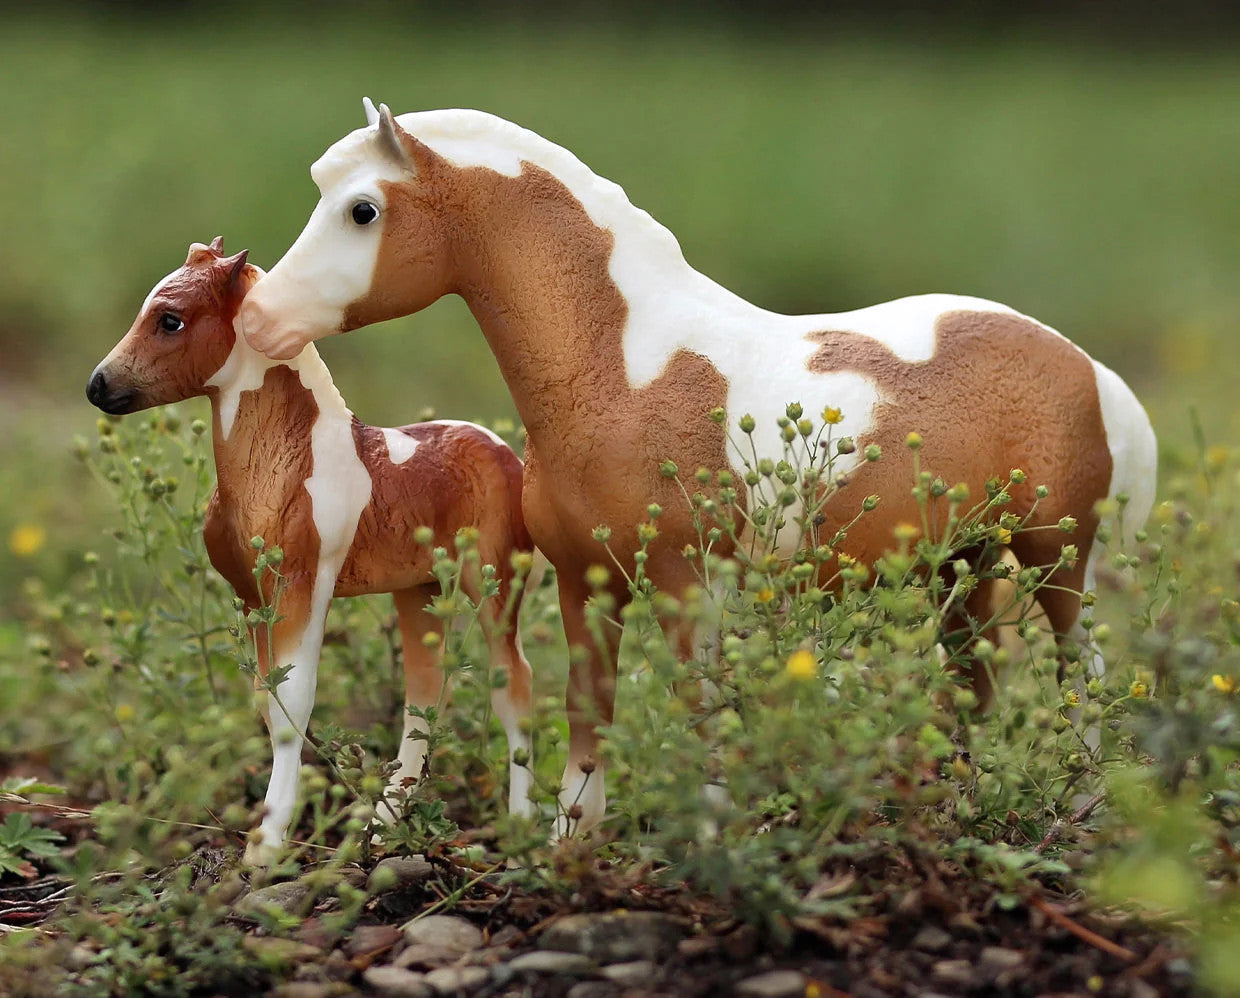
<point x="616" y="351"/>
<point x="340" y="498"/>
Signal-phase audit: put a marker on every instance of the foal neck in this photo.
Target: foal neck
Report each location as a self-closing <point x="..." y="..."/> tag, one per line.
<point x="265" y="412"/>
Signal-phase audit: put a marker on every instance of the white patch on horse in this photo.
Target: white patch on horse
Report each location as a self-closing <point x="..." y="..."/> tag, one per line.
<point x="764" y="356"/>
<point x="401" y="446"/>
<point x="485" y="431"/>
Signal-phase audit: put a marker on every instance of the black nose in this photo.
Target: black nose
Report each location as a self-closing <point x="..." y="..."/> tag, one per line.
<point x="97" y="388"/>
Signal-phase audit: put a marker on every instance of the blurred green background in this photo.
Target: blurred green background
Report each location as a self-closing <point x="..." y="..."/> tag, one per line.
<point x="1086" y="178"/>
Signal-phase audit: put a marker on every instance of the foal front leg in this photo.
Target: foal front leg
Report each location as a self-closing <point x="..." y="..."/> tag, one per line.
<point x="296" y="640"/>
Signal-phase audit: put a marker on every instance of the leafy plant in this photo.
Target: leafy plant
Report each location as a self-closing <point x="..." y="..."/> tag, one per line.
<point x="20" y="841"/>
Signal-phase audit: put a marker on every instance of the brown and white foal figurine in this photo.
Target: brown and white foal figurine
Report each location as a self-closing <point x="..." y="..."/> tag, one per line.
<point x="342" y="499"/>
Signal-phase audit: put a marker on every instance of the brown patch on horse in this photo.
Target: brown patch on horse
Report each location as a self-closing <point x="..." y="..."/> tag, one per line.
<point x="595" y="443"/>
<point x="458" y="477"/>
<point x="261" y="490"/>
<point x="1000" y="392"/>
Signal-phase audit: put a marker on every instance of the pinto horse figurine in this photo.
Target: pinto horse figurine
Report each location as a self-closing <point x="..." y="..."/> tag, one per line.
<point x="342" y="499"/>
<point x="616" y="351"/>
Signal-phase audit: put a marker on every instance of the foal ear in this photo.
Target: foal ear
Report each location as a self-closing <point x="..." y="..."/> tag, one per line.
<point x="372" y="112"/>
<point x="217" y="244"/>
<point x="399" y="145"/>
<point x="200" y="255"/>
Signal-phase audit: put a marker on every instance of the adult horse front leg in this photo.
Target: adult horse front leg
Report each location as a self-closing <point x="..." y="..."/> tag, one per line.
<point x="591" y="697"/>
<point x="295" y="640"/>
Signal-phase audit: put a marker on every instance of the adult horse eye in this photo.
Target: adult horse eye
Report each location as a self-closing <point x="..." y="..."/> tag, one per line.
<point x="170" y="322"/>
<point x="365" y="212"/>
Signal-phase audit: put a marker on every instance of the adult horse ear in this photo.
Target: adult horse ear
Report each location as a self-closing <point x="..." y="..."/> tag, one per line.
<point x="372" y="112"/>
<point x="399" y="145"/>
<point x="236" y="268"/>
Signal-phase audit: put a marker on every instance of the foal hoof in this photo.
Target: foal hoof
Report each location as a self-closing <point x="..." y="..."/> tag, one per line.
<point x="259" y="854"/>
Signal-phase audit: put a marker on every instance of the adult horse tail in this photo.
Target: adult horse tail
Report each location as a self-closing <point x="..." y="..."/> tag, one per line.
<point x="1134" y="453"/>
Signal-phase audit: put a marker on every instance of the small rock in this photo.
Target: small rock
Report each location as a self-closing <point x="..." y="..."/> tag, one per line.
<point x="958" y="973"/>
<point x="630" y="974"/>
<point x="509" y="935"/>
<point x="932" y="939"/>
<point x="287" y="951"/>
<point x="308" y="989"/>
<point x="617" y="936"/>
<point x="393" y="982"/>
<point x="457" y="980"/>
<point x="424" y="957"/>
<point x="449" y="931"/>
<point x="372" y="939"/>
<point x="552" y="962"/>
<point x="398" y="872"/>
<point x="591" y="989"/>
<point x="337" y="966"/>
<point x="696" y="947"/>
<point x="995" y="961"/>
<point x="288" y="896"/>
<point x="773" y="984"/>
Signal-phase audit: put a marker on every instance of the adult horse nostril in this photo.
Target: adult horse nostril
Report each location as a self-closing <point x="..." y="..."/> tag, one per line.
<point x="97" y="388"/>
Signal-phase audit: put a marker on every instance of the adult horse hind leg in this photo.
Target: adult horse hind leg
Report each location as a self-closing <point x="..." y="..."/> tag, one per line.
<point x="511" y="697"/>
<point x="424" y="688"/>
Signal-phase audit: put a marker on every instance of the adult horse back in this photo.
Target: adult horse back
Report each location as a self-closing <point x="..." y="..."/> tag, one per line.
<point x="616" y="351"/>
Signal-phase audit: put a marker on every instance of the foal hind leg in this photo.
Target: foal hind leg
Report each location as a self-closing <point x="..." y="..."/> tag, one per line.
<point x="424" y="687"/>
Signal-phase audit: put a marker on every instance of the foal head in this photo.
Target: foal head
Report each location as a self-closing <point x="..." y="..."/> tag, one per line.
<point x="182" y="336"/>
<point x="379" y="191"/>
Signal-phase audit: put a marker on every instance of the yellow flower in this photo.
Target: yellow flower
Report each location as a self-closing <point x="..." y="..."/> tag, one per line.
<point x="913" y="441"/>
<point x="832" y="415"/>
<point x="1224" y="684"/>
<point x="26" y="539"/>
<point x="1138" y="690"/>
<point x="766" y="594"/>
<point x="905" y="532"/>
<point x="812" y="990"/>
<point x="1003" y="535"/>
<point x="801" y="664"/>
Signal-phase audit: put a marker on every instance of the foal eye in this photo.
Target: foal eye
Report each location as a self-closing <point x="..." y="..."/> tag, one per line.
<point x="170" y="322"/>
<point x="365" y="212"/>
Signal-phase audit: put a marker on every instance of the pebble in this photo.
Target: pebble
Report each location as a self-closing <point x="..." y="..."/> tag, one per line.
<point x="288" y="896"/>
<point x="393" y="982"/>
<point x="932" y="939"/>
<point x="552" y="962"/>
<point x="958" y="973"/>
<point x="615" y="937"/>
<point x="457" y="980"/>
<point x="372" y="939"/>
<point x="996" y="961"/>
<point x="773" y="984"/>
<point x="448" y="931"/>
<point x="308" y="989"/>
<point x="399" y="872"/>
<point x="286" y="951"/>
<point x="591" y="989"/>
<point x="630" y="974"/>
<point x="426" y="957"/>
